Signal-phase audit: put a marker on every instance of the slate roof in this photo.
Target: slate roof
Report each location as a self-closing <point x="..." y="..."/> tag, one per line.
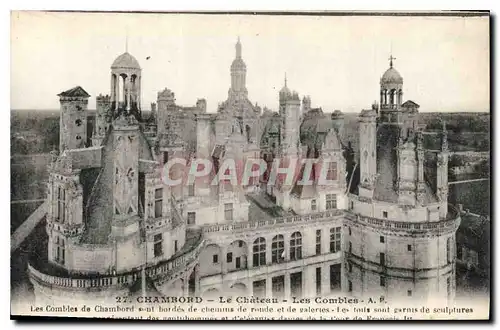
<point x="74" y="92"/>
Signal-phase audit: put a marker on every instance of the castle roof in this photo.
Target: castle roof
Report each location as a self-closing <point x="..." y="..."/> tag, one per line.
<point x="74" y="92"/>
<point x="125" y="61"/>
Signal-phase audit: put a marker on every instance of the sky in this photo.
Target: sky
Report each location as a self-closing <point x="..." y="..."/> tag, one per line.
<point x="336" y="60"/>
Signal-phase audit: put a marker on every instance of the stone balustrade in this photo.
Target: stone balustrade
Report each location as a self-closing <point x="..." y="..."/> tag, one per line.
<point x="275" y="222"/>
<point x="163" y="271"/>
<point x="452" y="221"/>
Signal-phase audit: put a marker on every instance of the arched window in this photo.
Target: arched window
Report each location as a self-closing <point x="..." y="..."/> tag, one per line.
<point x="296" y="246"/>
<point x="278" y="249"/>
<point x="259" y="252"/>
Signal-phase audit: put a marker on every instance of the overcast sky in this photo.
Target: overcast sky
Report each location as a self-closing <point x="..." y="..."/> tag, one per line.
<point x="337" y="60"/>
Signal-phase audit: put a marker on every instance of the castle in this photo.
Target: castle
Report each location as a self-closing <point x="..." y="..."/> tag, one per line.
<point x="382" y="227"/>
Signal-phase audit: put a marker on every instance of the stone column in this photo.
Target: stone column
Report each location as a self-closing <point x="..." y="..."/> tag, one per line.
<point x="249" y="254"/>
<point x="128" y="87"/>
<point x="286" y="238"/>
<point x="223" y="260"/>
<point x="269" y="286"/>
<point x="269" y="255"/>
<point x="196" y="270"/>
<point x="287" y="286"/>
<point x="186" y="285"/>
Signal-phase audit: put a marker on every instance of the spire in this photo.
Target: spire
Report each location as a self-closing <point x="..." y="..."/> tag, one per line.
<point x="238" y="48"/>
<point x="126" y="41"/>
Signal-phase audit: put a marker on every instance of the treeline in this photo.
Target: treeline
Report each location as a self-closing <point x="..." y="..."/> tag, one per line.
<point x="458" y="122"/>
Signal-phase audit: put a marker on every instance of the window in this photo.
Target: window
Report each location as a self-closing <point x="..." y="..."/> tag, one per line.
<point x="384" y="214"/>
<point x="349" y="267"/>
<point x="349" y="283"/>
<point x="158" y="245"/>
<point x="191" y="190"/>
<point x="78" y="122"/>
<point x="350" y="232"/>
<point x="165" y="157"/>
<point x="448" y="287"/>
<point x="278" y="249"/>
<point x="382" y="239"/>
<point x="318" y="281"/>
<point x="352" y="205"/>
<point x="382" y="281"/>
<point x="331" y="201"/>
<point x="191" y="219"/>
<point x="176" y="247"/>
<point x="350" y="247"/>
<point x="409" y="247"/>
<point x="61" y="205"/>
<point x="229" y="257"/>
<point x="296" y="246"/>
<point x="332" y="171"/>
<point x="228" y="211"/>
<point x="215" y="258"/>
<point x="158" y="202"/>
<point x="240" y="243"/>
<point x="60" y="251"/>
<point x="318" y="241"/>
<point x="313" y="205"/>
<point x="409" y="293"/>
<point x="382" y="258"/>
<point x="335" y="235"/>
<point x="259" y="252"/>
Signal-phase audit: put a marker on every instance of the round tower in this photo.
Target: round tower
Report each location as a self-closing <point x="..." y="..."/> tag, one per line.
<point x="399" y="234"/>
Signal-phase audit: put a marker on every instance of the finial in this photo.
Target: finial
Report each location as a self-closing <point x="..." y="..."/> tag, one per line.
<point x="391" y="58"/>
<point x="285" y="80"/>
<point x="238" y="48"/>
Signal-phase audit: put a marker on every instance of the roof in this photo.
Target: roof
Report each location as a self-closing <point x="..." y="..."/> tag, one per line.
<point x="410" y="104"/>
<point x="125" y="61"/>
<point x="75" y="92"/>
<point x="391" y="76"/>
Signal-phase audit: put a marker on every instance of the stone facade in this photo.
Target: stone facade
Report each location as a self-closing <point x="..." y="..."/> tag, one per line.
<point x="114" y="225"/>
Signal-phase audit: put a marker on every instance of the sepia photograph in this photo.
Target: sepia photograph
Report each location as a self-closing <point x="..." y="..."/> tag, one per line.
<point x="250" y="166"/>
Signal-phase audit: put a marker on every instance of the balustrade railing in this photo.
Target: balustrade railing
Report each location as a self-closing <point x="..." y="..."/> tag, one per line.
<point x="449" y="222"/>
<point x="249" y="225"/>
<point x="165" y="270"/>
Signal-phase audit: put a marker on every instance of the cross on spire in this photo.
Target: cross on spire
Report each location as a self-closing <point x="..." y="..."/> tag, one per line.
<point x="391" y="58"/>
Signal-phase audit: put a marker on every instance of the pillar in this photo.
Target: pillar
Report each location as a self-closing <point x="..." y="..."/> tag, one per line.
<point x="286" y="238"/>
<point x="128" y="88"/>
<point x="287" y="285"/>
<point x="196" y="270"/>
<point x="249" y="255"/>
<point x="269" y="286"/>
<point x="185" y="286"/>
<point x="223" y="261"/>
<point x="269" y="255"/>
<point x="325" y="279"/>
